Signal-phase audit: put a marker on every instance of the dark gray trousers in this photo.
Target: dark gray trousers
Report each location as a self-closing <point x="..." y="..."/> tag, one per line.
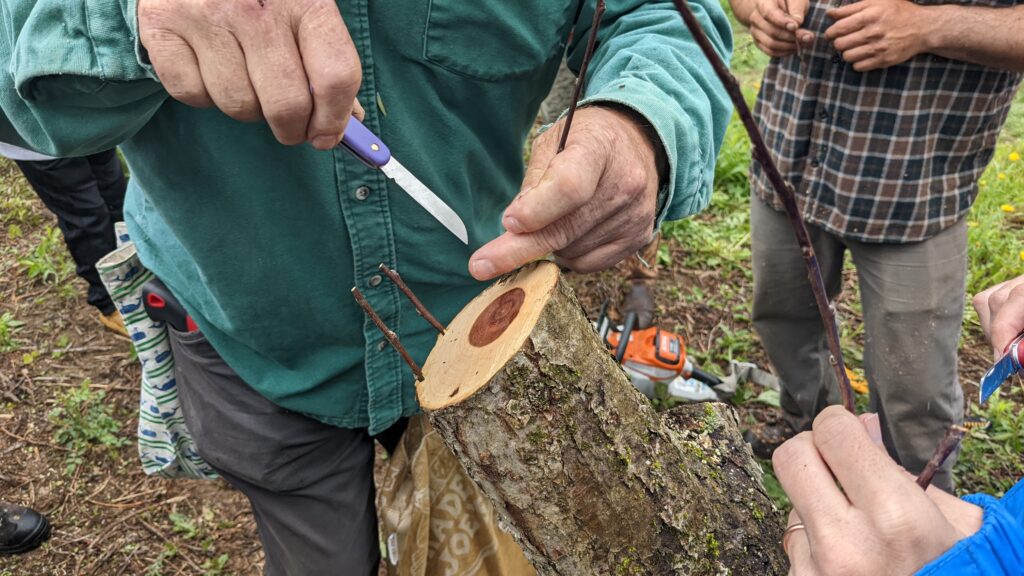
<point x="310" y="484"/>
<point x="913" y="299"/>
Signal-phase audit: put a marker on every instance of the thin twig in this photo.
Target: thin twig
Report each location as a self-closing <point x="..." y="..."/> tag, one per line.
<point x="420" y="308"/>
<point x="392" y="338"/>
<point x="949" y="441"/>
<point x="785" y="193"/>
<point x="581" y="78"/>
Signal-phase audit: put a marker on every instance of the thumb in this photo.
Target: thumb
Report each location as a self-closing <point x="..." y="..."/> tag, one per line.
<point x="567" y="182"/>
<point x="510" y="251"/>
<point x="798" y="10"/>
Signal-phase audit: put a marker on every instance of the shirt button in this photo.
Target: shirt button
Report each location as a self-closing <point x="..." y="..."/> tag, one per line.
<point x="362" y="193"/>
<point x="823" y="114"/>
<point x="382" y="345"/>
<point x="375" y="280"/>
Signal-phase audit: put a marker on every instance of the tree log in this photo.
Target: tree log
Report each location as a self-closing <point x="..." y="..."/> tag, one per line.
<point x="581" y="469"/>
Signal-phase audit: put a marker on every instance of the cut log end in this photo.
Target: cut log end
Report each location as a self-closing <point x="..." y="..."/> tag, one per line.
<point x="586" y="475"/>
<point x="485" y="335"/>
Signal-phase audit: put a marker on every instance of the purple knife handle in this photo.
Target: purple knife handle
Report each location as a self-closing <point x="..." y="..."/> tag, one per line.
<point x="365" y="144"/>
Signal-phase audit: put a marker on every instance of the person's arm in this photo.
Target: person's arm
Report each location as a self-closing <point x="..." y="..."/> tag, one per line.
<point x="71" y="83"/>
<point x="992" y="37"/>
<point x="84" y="76"/>
<point x="650" y="93"/>
<point x="874" y="34"/>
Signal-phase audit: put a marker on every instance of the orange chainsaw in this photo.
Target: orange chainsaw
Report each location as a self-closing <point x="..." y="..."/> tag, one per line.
<point x="653" y="357"/>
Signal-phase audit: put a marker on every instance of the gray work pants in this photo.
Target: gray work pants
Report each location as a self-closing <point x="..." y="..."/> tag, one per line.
<point x="913" y="300"/>
<point x="310" y="484"/>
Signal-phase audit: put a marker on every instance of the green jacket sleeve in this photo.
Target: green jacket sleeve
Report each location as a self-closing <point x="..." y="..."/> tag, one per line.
<point x="75" y="82"/>
<point x="646" y="60"/>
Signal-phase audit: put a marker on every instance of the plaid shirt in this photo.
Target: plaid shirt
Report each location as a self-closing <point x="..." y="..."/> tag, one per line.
<point x="890" y="155"/>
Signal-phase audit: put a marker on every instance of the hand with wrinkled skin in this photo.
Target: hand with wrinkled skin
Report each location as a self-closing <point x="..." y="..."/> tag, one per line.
<point x="1001" y="311"/>
<point x="290" y="62"/>
<point x="592" y="205"/>
<point x="873" y="34"/>
<point x="774" y="24"/>
<point x="879" y="521"/>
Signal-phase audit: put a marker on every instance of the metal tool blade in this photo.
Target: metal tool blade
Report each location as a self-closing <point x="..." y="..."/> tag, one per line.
<point x="1007" y="366"/>
<point x="424" y="197"/>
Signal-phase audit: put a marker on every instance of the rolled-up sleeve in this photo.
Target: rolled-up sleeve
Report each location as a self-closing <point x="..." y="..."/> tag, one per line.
<point x="646" y="60"/>
<point x="75" y="81"/>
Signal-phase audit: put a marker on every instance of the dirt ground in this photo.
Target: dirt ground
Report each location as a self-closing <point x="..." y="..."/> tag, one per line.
<point x="109" y="518"/>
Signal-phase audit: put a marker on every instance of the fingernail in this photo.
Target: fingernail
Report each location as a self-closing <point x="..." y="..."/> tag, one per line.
<point x="512" y="225"/>
<point x="482" y="269"/>
<point x="325" y="142"/>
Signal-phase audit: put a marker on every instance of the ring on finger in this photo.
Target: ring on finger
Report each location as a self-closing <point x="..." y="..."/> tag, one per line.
<point x="789" y="531"/>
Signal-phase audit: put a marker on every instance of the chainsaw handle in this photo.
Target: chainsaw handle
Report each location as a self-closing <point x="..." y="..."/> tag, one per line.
<point x="627" y="331"/>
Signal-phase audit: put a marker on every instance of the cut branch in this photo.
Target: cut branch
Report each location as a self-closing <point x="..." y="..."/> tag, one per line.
<point x="581" y="78"/>
<point x="389" y="334"/>
<point x="785" y="193"/>
<point x="946" y="447"/>
<point x="420" y="308"/>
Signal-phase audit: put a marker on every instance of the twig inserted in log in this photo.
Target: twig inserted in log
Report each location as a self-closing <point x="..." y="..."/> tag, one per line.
<point x="420" y="308"/>
<point x="785" y="193"/>
<point x="581" y="78"/>
<point x="391" y="337"/>
<point x="946" y="447"/>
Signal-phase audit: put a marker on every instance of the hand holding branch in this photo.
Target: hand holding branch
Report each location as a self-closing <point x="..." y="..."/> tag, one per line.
<point x="861" y="512"/>
<point x="592" y="205"/>
<point x="775" y="24"/>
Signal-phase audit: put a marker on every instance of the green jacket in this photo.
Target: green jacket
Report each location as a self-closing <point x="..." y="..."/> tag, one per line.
<point x="263" y="242"/>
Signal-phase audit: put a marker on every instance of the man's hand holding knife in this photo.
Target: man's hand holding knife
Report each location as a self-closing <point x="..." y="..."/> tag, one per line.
<point x="294" y="65"/>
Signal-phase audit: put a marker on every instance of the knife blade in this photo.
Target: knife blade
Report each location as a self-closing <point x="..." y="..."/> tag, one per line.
<point x="1010" y="363"/>
<point x="371" y="150"/>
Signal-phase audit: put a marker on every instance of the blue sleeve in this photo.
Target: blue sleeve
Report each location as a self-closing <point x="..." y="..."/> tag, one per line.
<point x="646" y="60"/>
<point x="997" y="548"/>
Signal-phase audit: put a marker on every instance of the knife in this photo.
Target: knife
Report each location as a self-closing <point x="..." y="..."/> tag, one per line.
<point x="1007" y="366"/>
<point x="371" y="150"/>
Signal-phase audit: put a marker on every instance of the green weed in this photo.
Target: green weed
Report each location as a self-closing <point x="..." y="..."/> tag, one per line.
<point x="8" y="326"/>
<point x="48" y="262"/>
<point x="156" y="568"/>
<point x="83" y="421"/>
<point x="991" y="460"/>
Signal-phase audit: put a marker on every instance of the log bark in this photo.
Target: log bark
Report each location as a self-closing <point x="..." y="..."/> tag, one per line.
<point x="581" y="469"/>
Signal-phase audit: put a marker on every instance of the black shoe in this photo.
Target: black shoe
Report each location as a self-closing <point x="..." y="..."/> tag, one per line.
<point x="21" y="529"/>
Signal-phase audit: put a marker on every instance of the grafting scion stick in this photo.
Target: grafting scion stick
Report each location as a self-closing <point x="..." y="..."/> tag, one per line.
<point x="392" y="338"/>
<point x="581" y="78"/>
<point x="946" y="447"/>
<point x="785" y="193"/>
<point x="420" y="308"/>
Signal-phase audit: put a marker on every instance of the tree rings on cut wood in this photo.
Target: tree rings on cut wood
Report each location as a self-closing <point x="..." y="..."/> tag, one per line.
<point x="485" y="335"/>
<point x="582" y="470"/>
